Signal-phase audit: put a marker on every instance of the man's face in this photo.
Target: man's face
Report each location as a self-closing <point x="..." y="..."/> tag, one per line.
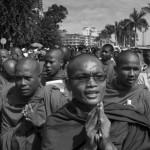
<point x="128" y="71"/>
<point x="106" y="53"/>
<point x="26" y="80"/>
<point x="4" y="56"/>
<point x="88" y="82"/>
<point x="52" y="64"/>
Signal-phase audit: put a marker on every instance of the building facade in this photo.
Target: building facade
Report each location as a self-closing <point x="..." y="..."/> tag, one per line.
<point x="73" y="39"/>
<point x="90" y="33"/>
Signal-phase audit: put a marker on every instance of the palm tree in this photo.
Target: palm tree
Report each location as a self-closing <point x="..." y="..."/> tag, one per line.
<point x="139" y="22"/>
<point x="116" y="31"/>
<point x="146" y="9"/>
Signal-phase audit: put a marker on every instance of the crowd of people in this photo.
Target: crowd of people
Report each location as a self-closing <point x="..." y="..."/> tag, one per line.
<point x="75" y="99"/>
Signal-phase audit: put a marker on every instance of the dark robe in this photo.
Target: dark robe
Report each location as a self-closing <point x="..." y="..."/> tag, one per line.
<point x="138" y="95"/>
<point x="16" y="132"/>
<point x="65" y="129"/>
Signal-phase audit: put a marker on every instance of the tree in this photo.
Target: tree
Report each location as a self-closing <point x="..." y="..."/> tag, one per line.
<point x="50" y="25"/>
<point x="146" y="9"/>
<point x="139" y="22"/>
<point x="17" y="21"/>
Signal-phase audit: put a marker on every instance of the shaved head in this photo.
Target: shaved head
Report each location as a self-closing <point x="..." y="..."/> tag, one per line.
<point x="16" y="53"/>
<point x="79" y="61"/>
<point x="27" y="72"/>
<point x="125" y="56"/>
<point x="87" y="79"/>
<point x="57" y="53"/>
<point x="9" y="67"/>
<point x="28" y="63"/>
<point x="66" y="52"/>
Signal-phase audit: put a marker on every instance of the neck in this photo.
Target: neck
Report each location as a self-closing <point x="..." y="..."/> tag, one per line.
<point x="122" y="86"/>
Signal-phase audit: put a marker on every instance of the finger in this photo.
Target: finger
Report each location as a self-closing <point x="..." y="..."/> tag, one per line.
<point x="30" y="107"/>
<point x="101" y="112"/>
<point x="28" y="119"/>
<point x="93" y="123"/>
<point x="90" y="117"/>
<point x="26" y="108"/>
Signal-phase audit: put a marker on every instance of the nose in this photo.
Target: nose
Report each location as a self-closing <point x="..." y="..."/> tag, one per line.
<point x="48" y="65"/>
<point x="91" y="82"/>
<point x="131" y="73"/>
<point x="22" y="82"/>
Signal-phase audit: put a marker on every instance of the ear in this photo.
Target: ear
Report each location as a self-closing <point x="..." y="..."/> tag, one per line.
<point x="40" y="76"/>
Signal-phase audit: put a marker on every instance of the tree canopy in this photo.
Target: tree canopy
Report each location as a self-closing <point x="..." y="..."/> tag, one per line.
<point x="21" y="25"/>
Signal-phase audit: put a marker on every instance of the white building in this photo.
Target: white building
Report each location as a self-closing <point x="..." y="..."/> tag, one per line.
<point x="90" y="34"/>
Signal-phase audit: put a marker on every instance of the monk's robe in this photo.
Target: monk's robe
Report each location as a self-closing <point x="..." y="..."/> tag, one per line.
<point x="109" y="70"/>
<point x="138" y="95"/>
<point x="18" y="133"/>
<point x="64" y="130"/>
<point x="60" y="77"/>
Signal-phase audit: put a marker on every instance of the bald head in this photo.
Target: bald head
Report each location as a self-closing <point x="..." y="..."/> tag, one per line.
<point x="16" y="53"/>
<point x="79" y="62"/>
<point x="125" y="56"/>
<point x="9" y="68"/>
<point x="27" y="72"/>
<point x="28" y="63"/>
<point x="56" y="53"/>
<point x="66" y="52"/>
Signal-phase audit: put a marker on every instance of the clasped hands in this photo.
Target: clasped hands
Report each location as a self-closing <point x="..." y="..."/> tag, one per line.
<point x="97" y="129"/>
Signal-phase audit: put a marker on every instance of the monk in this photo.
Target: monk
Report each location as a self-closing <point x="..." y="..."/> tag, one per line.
<point x="53" y="72"/>
<point x="82" y="123"/>
<point x="26" y="107"/>
<point x="128" y="104"/>
<point x="16" y="53"/>
<point x="108" y="62"/>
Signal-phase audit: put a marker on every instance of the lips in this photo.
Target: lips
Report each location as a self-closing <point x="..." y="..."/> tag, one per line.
<point x="131" y="81"/>
<point x="91" y="94"/>
<point x="24" y="90"/>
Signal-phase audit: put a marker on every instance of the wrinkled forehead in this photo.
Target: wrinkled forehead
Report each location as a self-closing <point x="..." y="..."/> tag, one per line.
<point x="86" y="67"/>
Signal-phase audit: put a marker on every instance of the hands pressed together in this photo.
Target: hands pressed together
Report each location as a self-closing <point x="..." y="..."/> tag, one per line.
<point x="97" y="129"/>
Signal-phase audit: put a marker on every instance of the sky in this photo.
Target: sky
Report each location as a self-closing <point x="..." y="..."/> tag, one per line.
<point x="98" y="13"/>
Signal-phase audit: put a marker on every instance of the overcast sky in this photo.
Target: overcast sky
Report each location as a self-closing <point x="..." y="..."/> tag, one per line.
<point x="98" y="13"/>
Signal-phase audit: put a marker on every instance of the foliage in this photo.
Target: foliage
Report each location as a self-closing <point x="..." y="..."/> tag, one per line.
<point x="50" y="25"/>
<point x="22" y="25"/>
<point x="125" y="31"/>
<point x="17" y="21"/>
<point x="138" y="20"/>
